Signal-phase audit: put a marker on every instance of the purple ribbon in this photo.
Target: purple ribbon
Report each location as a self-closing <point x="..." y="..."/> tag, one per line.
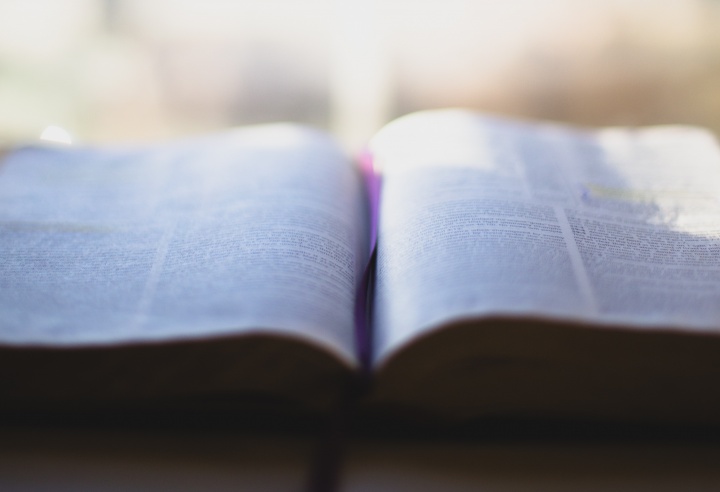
<point x="326" y="465"/>
<point x="363" y="314"/>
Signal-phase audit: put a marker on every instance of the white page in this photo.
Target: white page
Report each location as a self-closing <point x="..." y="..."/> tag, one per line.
<point x="647" y="226"/>
<point x="257" y="230"/>
<point x="483" y="216"/>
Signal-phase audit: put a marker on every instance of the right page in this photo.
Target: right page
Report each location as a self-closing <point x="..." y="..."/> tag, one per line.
<point x="485" y="218"/>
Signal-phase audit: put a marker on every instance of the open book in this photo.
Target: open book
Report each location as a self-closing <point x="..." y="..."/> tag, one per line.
<point x="521" y="269"/>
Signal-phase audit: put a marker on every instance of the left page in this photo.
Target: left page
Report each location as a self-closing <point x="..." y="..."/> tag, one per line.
<point x="257" y="230"/>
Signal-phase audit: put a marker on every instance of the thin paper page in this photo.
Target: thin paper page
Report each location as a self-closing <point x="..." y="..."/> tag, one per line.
<point x="482" y="216"/>
<point x="261" y="230"/>
<point x="647" y="225"/>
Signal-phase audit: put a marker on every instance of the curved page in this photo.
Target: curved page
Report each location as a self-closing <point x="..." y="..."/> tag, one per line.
<point x="259" y="230"/>
<point x="488" y="217"/>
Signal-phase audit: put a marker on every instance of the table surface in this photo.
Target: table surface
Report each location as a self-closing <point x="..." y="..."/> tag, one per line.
<point x="106" y="459"/>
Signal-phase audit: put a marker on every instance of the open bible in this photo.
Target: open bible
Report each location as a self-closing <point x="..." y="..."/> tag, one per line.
<point x="520" y="269"/>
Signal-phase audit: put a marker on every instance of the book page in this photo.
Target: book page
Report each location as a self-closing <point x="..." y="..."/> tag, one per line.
<point x="483" y="216"/>
<point x="257" y="230"/>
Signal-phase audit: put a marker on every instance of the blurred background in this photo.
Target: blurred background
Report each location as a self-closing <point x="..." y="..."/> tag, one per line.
<point x="139" y="70"/>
